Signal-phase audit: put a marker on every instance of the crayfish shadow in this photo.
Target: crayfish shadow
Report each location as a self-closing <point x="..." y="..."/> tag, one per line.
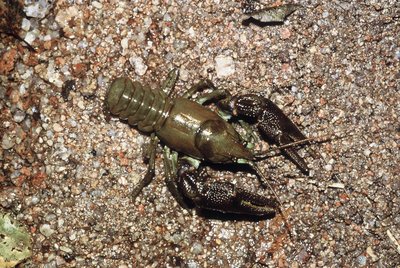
<point x="224" y="216"/>
<point x="229" y="167"/>
<point x="258" y="23"/>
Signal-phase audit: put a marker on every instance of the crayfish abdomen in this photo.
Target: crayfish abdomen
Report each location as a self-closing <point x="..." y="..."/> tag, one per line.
<point x="140" y="105"/>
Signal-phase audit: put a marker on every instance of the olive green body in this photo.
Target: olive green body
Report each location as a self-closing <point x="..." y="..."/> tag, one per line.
<point x="197" y="131"/>
<point x="181" y="124"/>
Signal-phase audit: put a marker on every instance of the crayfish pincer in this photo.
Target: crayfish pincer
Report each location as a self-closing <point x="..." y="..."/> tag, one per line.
<point x="193" y="135"/>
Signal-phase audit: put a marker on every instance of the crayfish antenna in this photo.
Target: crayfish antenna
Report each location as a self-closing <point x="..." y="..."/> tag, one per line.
<point x="264" y="182"/>
<point x="271" y="153"/>
<point x="320" y="139"/>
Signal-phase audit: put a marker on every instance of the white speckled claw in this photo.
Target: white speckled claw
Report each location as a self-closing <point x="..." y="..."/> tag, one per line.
<point x="222" y="196"/>
<point x="271" y="122"/>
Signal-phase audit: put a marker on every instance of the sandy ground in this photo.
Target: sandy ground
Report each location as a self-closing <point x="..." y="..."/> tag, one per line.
<point x="67" y="170"/>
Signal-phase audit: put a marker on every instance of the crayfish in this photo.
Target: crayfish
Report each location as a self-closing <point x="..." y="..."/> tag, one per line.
<point x="194" y="135"/>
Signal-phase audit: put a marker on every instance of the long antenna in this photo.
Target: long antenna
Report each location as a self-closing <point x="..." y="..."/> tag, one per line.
<point x="265" y="183"/>
<point x="272" y="152"/>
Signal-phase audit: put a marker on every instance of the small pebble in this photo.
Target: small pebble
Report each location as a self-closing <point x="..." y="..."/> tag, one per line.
<point x="7" y="62"/>
<point x="397" y="54"/>
<point x="89" y="89"/>
<point x="139" y="65"/>
<point x="51" y="264"/>
<point x="19" y="116"/>
<point x="197" y="248"/>
<point x="57" y="127"/>
<point x="30" y="37"/>
<point x="97" y="5"/>
<point x="7" y="143"/>
<point x="184" y="75"/>
<point x="191" y="32"/>
<point x="72" y="236"/>
<point x="328" y="167"/>
<point x="50" y="217"/>
<point x="337" y="185"/>
<point x="60" y="261"/>
<point x="72" y="122"/>
<point x="26" y="125"/>
<point x="176" y="238"/>
<point x="38" y="9"/>
<point x="285" y="33"/>
<point x="66" y="249"/>
<point x="362" y="260"/>
<point x="124" y="43"/>
<point x="35" y="200"/>
<point x="224" y="66"/>
<point x="81" y="105"/>
<point x="192" y="264"/>
<point x="367" y="152"/>
<point x="46" y="230"/>
<point x="26" y="24"/>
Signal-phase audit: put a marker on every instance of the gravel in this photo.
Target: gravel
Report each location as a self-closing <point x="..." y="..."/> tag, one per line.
<point x="67" y="169"/>
<point x="224" y="66"/>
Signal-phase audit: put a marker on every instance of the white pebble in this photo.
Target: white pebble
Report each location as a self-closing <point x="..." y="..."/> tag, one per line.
<point x="122" y="181"/>
<point x="72" y="123"/>
<point x="367" y="152"/>
<point x="125" y="43"/>
<point x="38" y="9"/>
<point x="197" y="248"/>
<point x="35" y="200"/>
<point x="97" y="4"/>
<point x="19" y="116"/>
<point x="191" y="32"/>
<point x="224" y="66"/>
<point x="30" y="37"/>
<point x="328" y="167"/>
<point x="81" y="105"/>
<point x="60" y="261"/>
<point x="397" y="54"/>
<point x="243" y="38"/>
<point x="72" y="236"/>
<point x="138" y="64"/>
<point x="65" y="249"/>
<point x="337" y="185"/>
<point x="7" y="142"/>
<point x="46" y="230"/>
<point x="26" y="24"/>
<point x="57" y="127"/>
<point x="60" y="223"/>
<point x="184" y="75"/>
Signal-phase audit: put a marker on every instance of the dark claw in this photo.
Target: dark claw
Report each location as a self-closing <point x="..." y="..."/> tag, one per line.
<point x="225" y="196"/>
<point x="222" y="196"/>
<point x="278" y="127"/>
<point x="271" y="121"/>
